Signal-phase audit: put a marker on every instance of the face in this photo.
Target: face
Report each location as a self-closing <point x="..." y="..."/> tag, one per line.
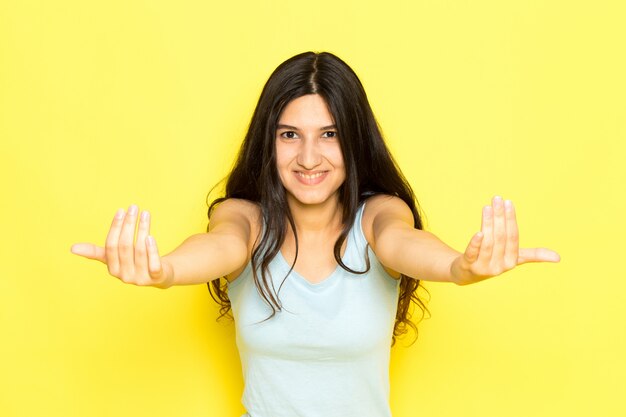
<point x="308" y="154"/>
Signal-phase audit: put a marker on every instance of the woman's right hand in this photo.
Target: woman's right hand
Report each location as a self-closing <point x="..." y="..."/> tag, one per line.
<point x="132" y="262"/>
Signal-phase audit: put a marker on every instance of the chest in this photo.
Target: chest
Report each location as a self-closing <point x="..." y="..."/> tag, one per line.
<point x="346" y="316"/>
<point x="315" y="260"/>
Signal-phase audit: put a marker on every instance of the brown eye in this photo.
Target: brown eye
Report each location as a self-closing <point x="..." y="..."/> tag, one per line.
<point x="288" y="135"/>
<point x="330" y="134"/>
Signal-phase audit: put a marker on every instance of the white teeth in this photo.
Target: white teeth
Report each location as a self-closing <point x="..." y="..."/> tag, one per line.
<point x="319" y="174"/>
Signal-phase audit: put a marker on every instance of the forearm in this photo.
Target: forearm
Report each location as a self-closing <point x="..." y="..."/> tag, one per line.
<point x="421" y="255"/>
<point x="204" y="257"/>
<point x="416" y="253"/>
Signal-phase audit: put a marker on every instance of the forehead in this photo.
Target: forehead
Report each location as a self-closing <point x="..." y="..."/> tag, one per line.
<point x="310" y="110"/>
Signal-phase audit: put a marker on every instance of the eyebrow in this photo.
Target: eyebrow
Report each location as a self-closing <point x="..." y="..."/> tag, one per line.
<point x="281" y="126"/>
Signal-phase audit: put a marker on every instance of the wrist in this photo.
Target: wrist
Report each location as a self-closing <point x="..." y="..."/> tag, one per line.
<point x="458" y="273"/>
<point x="168" y="274"/>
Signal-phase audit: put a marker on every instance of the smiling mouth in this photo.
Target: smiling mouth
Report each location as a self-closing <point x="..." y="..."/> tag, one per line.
<point x="313" y="178"/>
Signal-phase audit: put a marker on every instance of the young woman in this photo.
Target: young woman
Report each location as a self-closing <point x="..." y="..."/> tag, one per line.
<point x="320" y="244"/>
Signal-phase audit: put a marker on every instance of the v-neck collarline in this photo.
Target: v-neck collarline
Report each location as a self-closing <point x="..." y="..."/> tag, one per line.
<point x="326" y="281"/>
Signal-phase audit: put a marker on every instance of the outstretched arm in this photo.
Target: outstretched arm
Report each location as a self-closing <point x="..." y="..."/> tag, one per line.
<point x="422" y="255"/>
<point x="200" y="258"/>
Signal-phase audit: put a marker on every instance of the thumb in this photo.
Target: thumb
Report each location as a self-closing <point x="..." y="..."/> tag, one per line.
<point x="159" y="269"/>
<point x="473" y="248"/>
<point x="89" y="250"/>
<point x="537" y="255"/>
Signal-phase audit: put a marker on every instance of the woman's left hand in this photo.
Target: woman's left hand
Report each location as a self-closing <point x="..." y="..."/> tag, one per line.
<point x="495" y="249"/>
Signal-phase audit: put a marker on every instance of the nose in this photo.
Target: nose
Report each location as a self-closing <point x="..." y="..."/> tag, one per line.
<point x="309" y="155"/>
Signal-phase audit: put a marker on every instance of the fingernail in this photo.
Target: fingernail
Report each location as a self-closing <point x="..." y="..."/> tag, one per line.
<point x="150" y="241"/>
<point x="144" y="216"/>
<point x="508" y="204"/>
<point x="132" y="210"/>
<point x="119" y="214"/>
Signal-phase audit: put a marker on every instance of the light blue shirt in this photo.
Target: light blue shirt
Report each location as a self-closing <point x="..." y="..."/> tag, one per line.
<point x="326" y="354"/>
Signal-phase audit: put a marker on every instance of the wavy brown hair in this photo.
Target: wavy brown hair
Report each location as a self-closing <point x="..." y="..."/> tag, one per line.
<point x="370" y="170"/>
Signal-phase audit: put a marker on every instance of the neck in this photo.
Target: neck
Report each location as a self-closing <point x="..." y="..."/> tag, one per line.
<point x="316" y="218"/>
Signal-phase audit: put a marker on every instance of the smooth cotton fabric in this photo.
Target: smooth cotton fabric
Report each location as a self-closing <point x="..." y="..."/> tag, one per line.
<point x="326" y="354"/>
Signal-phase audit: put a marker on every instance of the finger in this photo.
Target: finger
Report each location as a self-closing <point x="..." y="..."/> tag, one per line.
<point x="112" y="257"/>
<point x="537" y="255"/>
<point x="512" y="236"/>
<point x="511" y="252"/>
<point x="473" y="248"/>
<point x="155" y="268"/>
<point x="141" y="254"/>
<point x="499" y="232"/>
<point x="126" y="245"/>
<point x="486" y="246"/>
<point x="89" y="250"/>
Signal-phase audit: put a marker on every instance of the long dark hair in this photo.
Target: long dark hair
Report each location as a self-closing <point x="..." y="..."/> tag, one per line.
<point x="370" y="170"/>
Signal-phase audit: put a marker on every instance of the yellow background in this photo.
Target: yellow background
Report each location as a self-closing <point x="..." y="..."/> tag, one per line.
<point x="104" y="104"/>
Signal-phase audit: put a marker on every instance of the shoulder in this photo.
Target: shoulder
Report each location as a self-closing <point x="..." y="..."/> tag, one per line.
<point x="243" y="215"/>
<point x="236" y="208"/>
<point x="382" y="209"/>
<point x="240" y="218"/>
<point x="237" y="204"/>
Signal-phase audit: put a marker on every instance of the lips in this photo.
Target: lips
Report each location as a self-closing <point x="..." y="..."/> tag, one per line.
<point x="310" y="178"/>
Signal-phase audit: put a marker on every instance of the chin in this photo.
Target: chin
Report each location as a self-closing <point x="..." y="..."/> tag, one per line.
<point x="311" y="200"/>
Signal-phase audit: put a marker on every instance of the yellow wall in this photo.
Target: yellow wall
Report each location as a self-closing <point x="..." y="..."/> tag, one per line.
<point x="104" y="104"/>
